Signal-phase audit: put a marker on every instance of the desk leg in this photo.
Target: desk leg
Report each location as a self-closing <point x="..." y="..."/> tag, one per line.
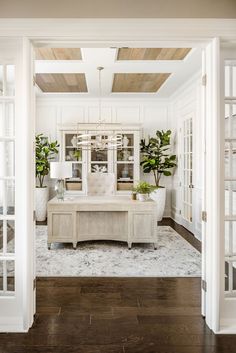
<point x="49" y="246"/>
<point x="155" y="246"/>
<point x="74" y="245"/>
<point x="129" y="245"/>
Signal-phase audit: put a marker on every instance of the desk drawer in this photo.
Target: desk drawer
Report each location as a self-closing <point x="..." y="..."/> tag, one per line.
<point x="110" y="225"/>
<point x="143" y="227"/>
<point x="61" y="226"/>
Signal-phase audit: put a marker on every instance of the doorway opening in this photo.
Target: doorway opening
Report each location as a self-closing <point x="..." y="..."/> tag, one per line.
<point x="142" y="90"/>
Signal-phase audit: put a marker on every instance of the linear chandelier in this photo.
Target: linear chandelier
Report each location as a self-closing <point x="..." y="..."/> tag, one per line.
<point x="101" y="138"/>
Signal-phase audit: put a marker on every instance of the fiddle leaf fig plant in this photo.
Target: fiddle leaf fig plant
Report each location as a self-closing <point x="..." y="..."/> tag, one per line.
<point x="45" y="151"/>
<point x="156" y="157"/>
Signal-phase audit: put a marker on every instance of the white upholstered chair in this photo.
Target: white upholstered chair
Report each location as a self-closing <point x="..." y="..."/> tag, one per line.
<point x="101" y="184"/>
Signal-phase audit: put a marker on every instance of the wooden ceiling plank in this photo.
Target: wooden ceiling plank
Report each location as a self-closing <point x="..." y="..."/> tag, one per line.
<point x="62" y="82"/>
<point x="138" y="83"/>
<point x="46" y="53"/>
<point x="152" y="53"/>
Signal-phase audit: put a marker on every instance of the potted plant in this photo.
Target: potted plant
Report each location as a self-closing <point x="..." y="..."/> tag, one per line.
<point x="45" y="151"/>
<point x="143" y="189"/>
<point x="156" y="158"/>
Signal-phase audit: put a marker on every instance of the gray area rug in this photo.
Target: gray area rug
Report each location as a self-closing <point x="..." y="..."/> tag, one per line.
<point x="173" y="257"/>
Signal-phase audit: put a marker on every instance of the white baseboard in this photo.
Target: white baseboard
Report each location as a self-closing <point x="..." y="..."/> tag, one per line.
<point x="177" y="218"/>
<point x="13" y="324"/>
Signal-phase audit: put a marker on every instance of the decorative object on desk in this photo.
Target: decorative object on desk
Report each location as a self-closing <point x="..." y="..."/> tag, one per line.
<point x="157" y="159"/>
<point x="60" y="171"/>
<point x="74" y="141"/>
<point x="102" y="138"/>
<point x="99" y="169"/>
<point x="125" y="141"/>
<point x="45" y="151"/>
<point x="143" y="189"/>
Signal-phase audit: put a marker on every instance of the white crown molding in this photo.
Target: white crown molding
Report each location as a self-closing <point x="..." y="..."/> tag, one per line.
<point x="74" y="100"/>
<point x="118" y="31"/>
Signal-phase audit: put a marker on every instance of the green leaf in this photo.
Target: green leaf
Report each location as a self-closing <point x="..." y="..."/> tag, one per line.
<point x="166" y="173"/>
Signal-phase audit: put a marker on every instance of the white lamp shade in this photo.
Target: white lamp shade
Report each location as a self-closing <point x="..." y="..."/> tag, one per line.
<point x="60" y="170"/>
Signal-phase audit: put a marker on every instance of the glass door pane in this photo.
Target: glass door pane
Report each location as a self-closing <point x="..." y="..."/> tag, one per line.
<point x="187" y="186"/>
<point x="73" y="154"/>
<point x="99" y="159"/>
<point x="230" y="180"/>
<point x="7" y="180"/>
<point x="125" y="163"/>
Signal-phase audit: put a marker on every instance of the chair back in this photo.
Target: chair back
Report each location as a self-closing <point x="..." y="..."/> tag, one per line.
<point x="101" y="184"/>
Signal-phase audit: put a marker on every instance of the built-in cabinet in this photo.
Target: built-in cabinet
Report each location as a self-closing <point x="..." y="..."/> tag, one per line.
<point x="123" y="162"/>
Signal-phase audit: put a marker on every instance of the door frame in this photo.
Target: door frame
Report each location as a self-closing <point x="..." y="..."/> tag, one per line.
<point x="16" y="311"/>
<point x="140" y="33"/>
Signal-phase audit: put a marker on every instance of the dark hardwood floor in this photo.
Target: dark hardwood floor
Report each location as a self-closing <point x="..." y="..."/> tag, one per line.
<point x="118" y="315"/>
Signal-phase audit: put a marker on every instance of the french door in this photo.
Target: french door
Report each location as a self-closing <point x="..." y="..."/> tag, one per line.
<point x="187" y="187"/>
<point x="16" y="187"/>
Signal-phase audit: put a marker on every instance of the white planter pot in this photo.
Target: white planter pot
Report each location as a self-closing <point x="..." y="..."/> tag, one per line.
<point x="143" y="197"/>
<point x="41" y="199"/>
<point x="159" y="196"/>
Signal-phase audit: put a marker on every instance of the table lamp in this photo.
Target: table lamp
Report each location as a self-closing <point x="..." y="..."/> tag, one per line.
<point x="60" y="171"/>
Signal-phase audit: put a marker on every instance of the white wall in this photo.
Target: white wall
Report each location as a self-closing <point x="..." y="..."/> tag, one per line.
<point x="152" y="114"/>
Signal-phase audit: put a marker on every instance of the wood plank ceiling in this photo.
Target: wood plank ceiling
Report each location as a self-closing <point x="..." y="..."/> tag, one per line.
<point x="62" y="82"/>
<point x="138" y="83"/>
<point x="46" y="53"/>
<point x="152" y="53"/>
<point x="122" y="82"/>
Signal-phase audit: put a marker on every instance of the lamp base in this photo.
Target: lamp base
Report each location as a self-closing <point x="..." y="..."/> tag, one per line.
<point x="60" y="189"/>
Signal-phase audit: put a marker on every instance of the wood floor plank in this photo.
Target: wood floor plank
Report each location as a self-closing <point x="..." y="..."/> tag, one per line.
<point x="118" y="315"/>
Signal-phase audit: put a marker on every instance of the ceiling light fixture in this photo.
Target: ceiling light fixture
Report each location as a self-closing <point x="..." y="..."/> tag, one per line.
<point x="102" y="138"/>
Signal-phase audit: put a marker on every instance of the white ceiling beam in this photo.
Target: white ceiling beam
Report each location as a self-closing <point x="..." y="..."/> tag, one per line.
<point x="66" y="66"/>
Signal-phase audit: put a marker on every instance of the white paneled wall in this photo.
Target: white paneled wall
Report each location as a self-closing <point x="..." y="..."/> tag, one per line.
<point x="152" y="114"/>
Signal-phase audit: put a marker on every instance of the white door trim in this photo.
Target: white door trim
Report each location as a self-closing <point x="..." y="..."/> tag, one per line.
<point x="16" y="314"/>
<point x="116" y="32"/>
<point x="142" y="33"/>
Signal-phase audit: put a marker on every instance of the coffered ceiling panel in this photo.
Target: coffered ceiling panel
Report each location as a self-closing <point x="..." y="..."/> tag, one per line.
<point x="152" y="53"/>
<point x="62" y="82"/>
<point x="137" y="83"/>
<point x="46" y="53"/>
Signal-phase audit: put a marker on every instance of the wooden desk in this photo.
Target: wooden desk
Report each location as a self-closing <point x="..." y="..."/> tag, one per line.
<point x="101" y="218"/>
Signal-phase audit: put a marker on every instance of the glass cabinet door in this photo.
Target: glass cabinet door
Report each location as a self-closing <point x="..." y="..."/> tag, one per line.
<point x="74" y="155"/>
<point x="99" y="159"/>
<point x="125" y="163"/>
